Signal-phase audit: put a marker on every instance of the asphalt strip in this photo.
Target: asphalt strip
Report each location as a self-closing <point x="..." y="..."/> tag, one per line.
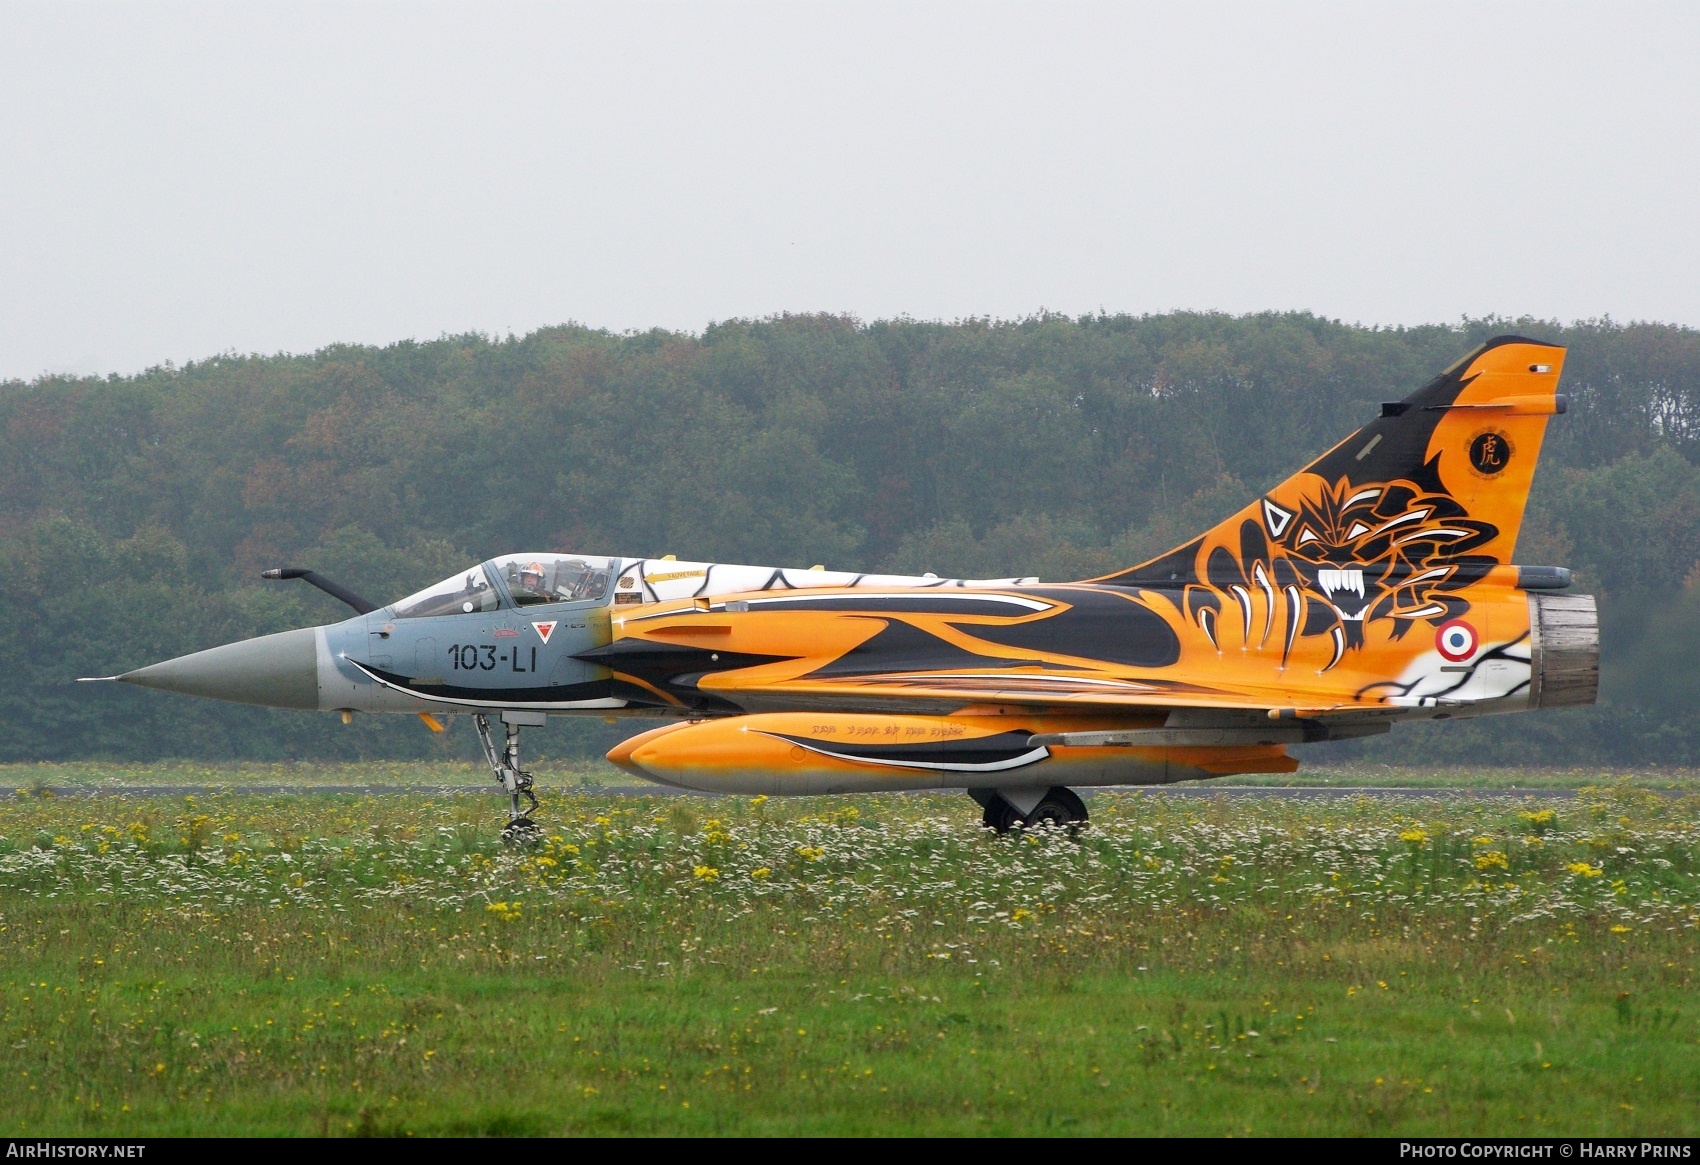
<point x="1327" y="792"/>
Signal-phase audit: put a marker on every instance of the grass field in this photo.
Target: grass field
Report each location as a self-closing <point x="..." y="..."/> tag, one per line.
<point x="244" y="963"/>
<point x="591" y="774"/>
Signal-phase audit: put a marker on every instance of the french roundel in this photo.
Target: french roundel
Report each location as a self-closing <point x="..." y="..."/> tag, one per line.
<point x="1456" y="640"/>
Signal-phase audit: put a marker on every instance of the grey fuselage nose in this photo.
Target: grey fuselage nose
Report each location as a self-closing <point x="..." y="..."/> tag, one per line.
<point x="280" y="671"/>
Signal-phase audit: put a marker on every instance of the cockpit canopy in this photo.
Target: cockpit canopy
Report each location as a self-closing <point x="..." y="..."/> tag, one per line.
<point x="552" y="578"/>
<point x="519" y="580"/>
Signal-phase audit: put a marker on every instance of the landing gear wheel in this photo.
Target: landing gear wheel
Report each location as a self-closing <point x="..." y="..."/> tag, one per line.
<point x="1058" y="807"/>
<point x="522" y="831"/>
<point x="1000" y="815"/>
<point x="1061" y="807"/>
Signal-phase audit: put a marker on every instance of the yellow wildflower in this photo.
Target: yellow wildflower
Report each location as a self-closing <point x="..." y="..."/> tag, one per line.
<point x="1584" y="870"/>
<point x="706" y="873"/>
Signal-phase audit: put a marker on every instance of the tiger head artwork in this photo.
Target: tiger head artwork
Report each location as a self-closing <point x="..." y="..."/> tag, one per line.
<point x="1326" y="559"/>
<point x="1383" y="551"/>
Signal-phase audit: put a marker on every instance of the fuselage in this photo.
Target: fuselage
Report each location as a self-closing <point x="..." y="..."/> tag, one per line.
<point x="1374" y="585"/>
<point x="806" y="681"/>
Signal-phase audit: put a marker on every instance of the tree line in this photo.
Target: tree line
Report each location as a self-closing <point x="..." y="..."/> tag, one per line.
<point x="136" y="512"/>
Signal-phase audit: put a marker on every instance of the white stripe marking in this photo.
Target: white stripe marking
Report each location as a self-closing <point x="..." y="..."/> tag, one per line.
<point x="1015" y="762"/>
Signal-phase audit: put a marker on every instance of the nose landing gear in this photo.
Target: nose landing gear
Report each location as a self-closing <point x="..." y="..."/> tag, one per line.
<point x="504" y="763"/>
<point x="1007" y="809"/>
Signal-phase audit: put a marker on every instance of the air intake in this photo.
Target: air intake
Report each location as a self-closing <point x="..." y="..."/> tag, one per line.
<point x="1565" y="650"/>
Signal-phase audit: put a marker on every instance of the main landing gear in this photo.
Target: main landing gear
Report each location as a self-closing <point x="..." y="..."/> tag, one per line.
<point x="504" y="763"/>
<point x="1008" y="809"/>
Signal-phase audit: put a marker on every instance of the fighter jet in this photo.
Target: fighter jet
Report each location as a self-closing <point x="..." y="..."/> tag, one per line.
<point x="1375" y="585"/>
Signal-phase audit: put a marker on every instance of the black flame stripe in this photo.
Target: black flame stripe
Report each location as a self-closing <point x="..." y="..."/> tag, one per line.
<point x="1010" y="606"/>
<point x="1262" y="577"/>
<point x="1243" y="598"/>
<point x="1339" y="634"/>
<point x="1293" y="609"/>
<point x="984" y="754"/>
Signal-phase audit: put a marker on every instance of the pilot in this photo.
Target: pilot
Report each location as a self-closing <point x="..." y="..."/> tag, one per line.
<point x="531" y="578"/>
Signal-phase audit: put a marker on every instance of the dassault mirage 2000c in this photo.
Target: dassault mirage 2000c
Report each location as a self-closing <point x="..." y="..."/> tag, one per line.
<point x="1374" y="585"/>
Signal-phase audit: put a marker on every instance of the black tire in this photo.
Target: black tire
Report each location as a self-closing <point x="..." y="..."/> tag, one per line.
<point x="1061" y="807"/>
<point x="1000" y="815"/>
<point x="522" y="831"/>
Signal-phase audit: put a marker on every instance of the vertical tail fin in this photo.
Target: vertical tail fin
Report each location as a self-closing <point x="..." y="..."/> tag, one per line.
<point x="1417" y="504"/>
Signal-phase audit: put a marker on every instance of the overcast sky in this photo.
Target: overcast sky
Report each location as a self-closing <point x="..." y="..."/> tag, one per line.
<point x="180" y="180"/>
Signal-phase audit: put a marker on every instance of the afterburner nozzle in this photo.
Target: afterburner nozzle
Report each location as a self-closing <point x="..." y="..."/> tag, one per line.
<point x="279" y="671"/>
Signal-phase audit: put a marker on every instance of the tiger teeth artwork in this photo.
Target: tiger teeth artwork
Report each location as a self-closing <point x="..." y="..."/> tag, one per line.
<point x="1376" y="585"/>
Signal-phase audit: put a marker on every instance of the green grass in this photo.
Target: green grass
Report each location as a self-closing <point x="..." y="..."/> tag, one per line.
<point x="343" y="965"/>
<point x="594" y="773"/>
<point x="236" y="775"/>
<point x="1385" y="776"/>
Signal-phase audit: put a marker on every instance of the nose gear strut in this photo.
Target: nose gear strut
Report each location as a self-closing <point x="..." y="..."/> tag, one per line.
<point x="515" y="781"/>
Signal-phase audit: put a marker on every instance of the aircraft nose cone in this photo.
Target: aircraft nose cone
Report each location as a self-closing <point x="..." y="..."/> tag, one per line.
<point x="280" y="671"/>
